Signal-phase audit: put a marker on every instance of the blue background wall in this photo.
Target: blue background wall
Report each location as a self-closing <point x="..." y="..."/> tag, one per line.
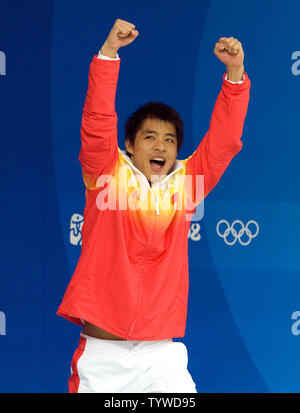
<point x="242" y="329"/>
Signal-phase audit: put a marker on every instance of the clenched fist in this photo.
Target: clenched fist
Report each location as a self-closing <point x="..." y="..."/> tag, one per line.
<point x="230" y="52"/>
<point x="122" y="34"/>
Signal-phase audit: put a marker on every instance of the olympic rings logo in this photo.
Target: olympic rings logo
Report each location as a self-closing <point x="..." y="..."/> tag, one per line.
<point x="238" y="233"/>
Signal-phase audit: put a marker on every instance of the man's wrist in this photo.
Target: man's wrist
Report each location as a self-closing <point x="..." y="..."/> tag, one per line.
<point x="235" y="73"/>
<point x="108" y="51"/>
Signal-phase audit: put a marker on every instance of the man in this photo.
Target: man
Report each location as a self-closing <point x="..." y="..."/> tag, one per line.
<point x="130" y="287"/>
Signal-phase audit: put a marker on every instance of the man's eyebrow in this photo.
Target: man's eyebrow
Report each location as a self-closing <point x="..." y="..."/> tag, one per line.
<point x="153" y="131"/>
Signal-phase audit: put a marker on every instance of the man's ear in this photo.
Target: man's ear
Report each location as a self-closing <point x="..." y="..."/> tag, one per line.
<point x="128" y="146"/>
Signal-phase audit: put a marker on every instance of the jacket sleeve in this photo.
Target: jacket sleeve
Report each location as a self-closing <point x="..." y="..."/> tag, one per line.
<point x="99" y="141"/>
<point x="223" y="139"/>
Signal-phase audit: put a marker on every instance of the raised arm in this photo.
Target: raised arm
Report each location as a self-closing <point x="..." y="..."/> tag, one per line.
<point x="223" y="139"/>
<point x="99" y="142"/>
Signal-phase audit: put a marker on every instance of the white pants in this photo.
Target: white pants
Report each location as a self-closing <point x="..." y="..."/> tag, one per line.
<point x="130" y="366"/>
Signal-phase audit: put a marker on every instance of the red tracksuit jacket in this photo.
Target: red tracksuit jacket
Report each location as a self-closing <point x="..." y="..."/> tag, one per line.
<point x="132" y="275"/>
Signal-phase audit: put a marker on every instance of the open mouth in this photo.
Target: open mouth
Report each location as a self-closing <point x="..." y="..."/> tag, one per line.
<point x="157" y="164"/>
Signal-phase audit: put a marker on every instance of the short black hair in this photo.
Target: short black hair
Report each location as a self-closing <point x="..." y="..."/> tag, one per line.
<point x="153" y="110"/>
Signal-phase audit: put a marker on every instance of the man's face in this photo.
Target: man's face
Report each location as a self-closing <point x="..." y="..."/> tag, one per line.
<point x="155" y="148"/>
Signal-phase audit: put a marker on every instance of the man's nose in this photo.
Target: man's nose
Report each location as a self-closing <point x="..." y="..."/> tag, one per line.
<point x="159" y="146"/>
